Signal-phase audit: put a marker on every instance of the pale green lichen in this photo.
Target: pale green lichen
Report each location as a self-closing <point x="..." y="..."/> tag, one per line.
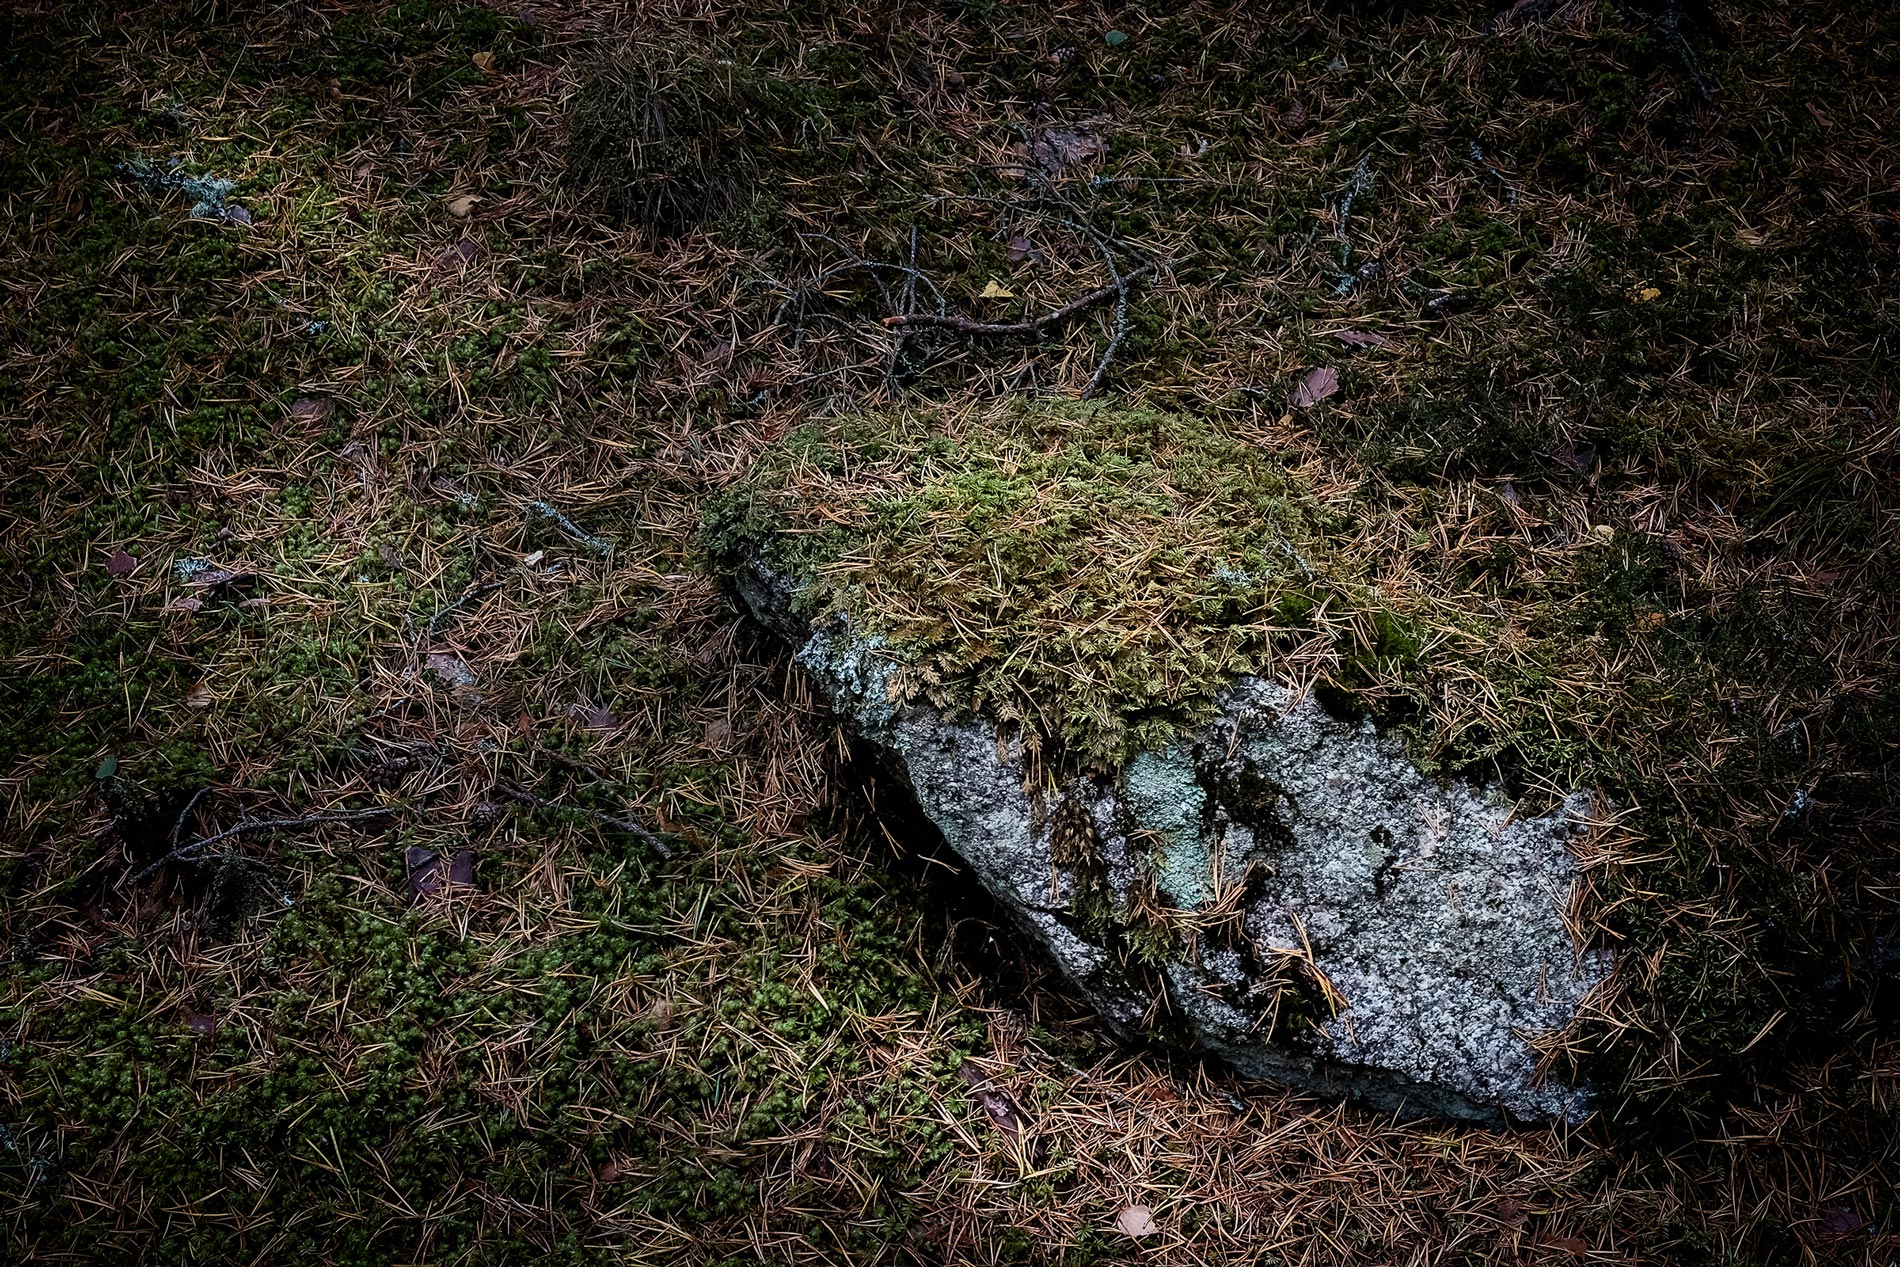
<point x="1167" y="805"/>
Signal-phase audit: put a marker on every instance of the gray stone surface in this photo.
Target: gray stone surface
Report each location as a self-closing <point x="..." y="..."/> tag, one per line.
<point x="1398" y="937"/>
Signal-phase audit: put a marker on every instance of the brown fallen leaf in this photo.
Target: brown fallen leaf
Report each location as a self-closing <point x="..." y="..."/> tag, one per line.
<point x="484" y="61"/>
<point x="594" y="717"/>
<point x="120" y="564"/>
<point x="1565" y="1245"/>
<point x="1055" y="150"/>
<point x="461" y="205"/>
<point x="1000" y="1108"/>
<point x="462" y="867"/>
<point x="1363" y="339"/>
<point x="450" y="670"/>
<point x="1316" y="386"/>
<point x="1137" y="1221"/>
<point x="200" y="696"/>
<point x="310" y="411"/>
<point x="1836" y="1223"/>
<point x="461" y="253"/>
<point x="425" y="872"/>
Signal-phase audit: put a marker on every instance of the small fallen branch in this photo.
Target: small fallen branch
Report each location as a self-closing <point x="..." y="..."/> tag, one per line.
<point x="474" y="595"/>
<point x="1669" y="22"/>
<point x="510" y="790"/>
<point x="599" y="545"/>
<point x="192" y="851"/>
<point x="1033" y="325"/>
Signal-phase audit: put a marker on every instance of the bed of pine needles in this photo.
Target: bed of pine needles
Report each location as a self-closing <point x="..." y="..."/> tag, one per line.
<point x="413" y="856"/>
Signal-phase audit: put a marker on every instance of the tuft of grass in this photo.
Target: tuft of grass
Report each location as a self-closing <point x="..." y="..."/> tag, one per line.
<point x="673" y="136"/>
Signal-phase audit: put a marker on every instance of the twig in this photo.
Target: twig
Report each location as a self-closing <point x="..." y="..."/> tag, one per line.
<point x="515" y="792"/>
<point x="572" y="529"/>
<point x="1121" y="327"/>
<point x="1360" y="183"/>
<point x="1034" y="325"/>
<point x="1669" y="22"/>
<point x="479" y="592"/>
<point x="1477" y="156"/>
<point x="190" y="852"/>
<point x="184" y="815"/>
<point x="1523" y="11"/>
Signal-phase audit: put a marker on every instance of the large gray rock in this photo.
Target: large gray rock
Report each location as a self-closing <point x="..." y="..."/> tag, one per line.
<point x="1279" y="888"/>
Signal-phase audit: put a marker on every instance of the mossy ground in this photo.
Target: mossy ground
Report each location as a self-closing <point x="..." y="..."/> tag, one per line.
<point x="755" y="1045"/>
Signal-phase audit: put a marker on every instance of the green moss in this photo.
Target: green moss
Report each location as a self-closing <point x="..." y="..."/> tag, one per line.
<point x="1094" y="574"/>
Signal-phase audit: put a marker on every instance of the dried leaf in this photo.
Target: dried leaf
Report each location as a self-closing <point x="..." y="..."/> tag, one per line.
<point x="462" y="867"/>
<point x="310" y="410"/>
<point x="425" y="871"/>
<point x="1136" y="1220"/>
<point x="1565" y="1244"/>
<point x="1836" y="1223"/>
<point x="1316" y="386"/>
<point x="200" y="696"/>
<point x="995" y="291"/>
<point x="187" y="605"/>
<point x="998" y="1105"/>
<point x="1056" y="150"/>
<point x="201" y="1023"/>
<point x="462" y="253"/>
<point x="1646" y="294"/>
<point x="484" y="61"/>
<point x="120" y="564"/>
<point x="450" y="670"/>
<point x="1576" y="457"/>
<point x="593" y="717"/>
<point x="1363" y="339"/>
<point x="462" y="204"/>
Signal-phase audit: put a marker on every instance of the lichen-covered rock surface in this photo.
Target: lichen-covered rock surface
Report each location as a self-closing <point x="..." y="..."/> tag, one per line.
<point x="1233" y="869"/>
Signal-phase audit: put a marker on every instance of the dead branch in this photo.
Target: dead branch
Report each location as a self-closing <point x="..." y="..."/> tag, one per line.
<point x="190" y="852"/>
<point x="513" y="791"/>
<point x="1034" y="325"/>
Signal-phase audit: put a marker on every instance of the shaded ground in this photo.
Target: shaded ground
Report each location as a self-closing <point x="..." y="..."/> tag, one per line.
<point x="373" y="484"/>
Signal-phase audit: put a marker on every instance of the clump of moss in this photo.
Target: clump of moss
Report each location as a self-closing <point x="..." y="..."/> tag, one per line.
<point x="1092" y="574"/>
<point x="671" y="137"/>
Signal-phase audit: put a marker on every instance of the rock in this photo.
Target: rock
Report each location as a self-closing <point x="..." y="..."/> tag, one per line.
<point x="1279" y="888"/>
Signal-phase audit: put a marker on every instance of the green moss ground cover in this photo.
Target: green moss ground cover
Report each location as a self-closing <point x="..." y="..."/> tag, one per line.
<point x="764" y="1037"/>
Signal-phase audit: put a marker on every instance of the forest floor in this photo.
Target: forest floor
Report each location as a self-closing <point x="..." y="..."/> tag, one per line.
<point x="413" y="856"/>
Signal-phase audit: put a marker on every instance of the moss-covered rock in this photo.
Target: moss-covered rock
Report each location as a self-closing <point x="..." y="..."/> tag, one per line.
<point x="1050" y="620"/>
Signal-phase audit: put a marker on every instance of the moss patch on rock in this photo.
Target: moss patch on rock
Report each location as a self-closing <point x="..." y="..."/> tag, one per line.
<point x="1092" y="573"/>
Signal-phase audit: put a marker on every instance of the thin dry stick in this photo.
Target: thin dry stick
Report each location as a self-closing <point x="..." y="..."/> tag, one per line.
<point x="473" y="595"/>
<point x="515" y="792"/>
<point x="190" y="852"/>
<point x="1034" y="325"/>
